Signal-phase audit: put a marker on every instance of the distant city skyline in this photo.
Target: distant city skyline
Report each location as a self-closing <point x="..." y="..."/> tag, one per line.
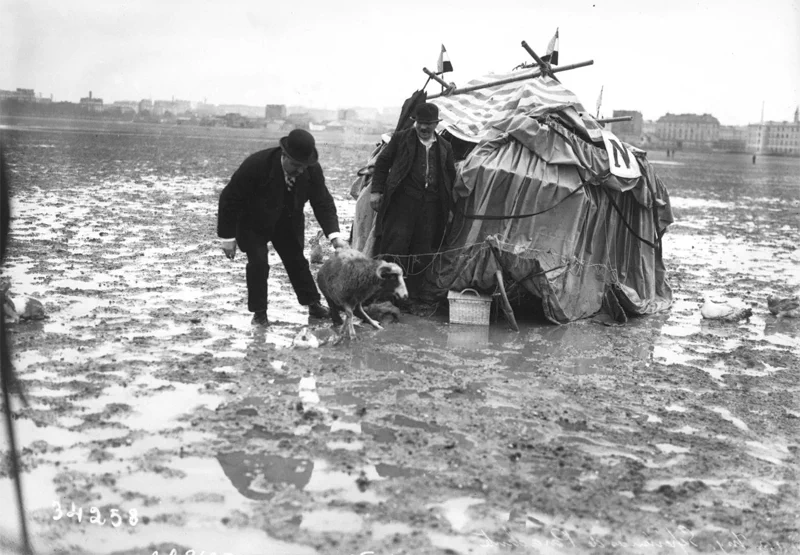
<point x="93" y="93"/>
<point x="292" y="107"/>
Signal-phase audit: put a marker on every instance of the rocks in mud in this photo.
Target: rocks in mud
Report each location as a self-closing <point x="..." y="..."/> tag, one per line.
<point x="784" y="307"/>
<point x="305" y="340"/>
<point x="685" y="489"/>
<point x="20" y="307"/>
<point x="724" y="311"/>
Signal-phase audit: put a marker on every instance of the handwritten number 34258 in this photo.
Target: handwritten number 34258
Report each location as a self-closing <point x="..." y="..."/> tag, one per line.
<point x="96" y="517"/>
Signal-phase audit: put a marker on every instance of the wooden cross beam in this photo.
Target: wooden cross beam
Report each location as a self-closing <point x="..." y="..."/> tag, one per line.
<point x="617" y="118"/>
<point x="544" y="66"/>
<point x="535" y="73"/>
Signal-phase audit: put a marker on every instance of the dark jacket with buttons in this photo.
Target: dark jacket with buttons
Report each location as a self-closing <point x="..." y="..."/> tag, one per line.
<point x="256" y="196"/>
<point x="394" y="165"/>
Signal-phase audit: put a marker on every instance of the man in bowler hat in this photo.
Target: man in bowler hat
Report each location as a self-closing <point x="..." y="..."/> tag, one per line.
<point x="263" y="202"/>
<point x="411" y="192"/>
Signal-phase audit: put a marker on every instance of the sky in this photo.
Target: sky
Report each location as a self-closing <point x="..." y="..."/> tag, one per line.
<point x="720" y="57"/>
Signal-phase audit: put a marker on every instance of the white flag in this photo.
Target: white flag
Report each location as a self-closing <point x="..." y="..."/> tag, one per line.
<point x="443" y="65"/>
<point x="599" y="101"/>
<point x="551" y="56"/>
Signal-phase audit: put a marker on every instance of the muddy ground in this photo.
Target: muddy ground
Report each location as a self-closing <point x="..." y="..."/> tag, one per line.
<point x="154" y="401"/>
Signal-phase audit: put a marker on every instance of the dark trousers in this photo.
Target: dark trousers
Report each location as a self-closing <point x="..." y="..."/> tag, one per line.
<point x="411" y="232"/>
<point x="289" y="247"/>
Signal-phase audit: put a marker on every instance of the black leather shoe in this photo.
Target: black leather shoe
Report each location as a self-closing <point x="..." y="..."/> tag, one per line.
<point x="260" y="318"/>
<point x="316" y="310"/>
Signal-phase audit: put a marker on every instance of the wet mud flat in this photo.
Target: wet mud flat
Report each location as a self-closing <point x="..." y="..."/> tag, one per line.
<point x="172" y="424"/>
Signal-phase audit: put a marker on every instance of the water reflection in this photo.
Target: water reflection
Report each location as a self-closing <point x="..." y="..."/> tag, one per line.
<point x="253" y="475"/>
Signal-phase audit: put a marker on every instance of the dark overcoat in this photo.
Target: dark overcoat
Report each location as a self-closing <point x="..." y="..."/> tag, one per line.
<point x="254" y="199"/>
<point x="393" y="166"/>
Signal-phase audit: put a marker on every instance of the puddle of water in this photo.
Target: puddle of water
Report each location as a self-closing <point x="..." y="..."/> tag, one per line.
<point x="769" y="487"/>
<point x="672" y="355"/>
<point x="28" y="432"/>
<point x="332" y="521"/>
<point x="341" y="424"/>
<point x="343" y="399"/>
<point x="187" y="485"/>
<point x="652" y="485"/>
<point x="455" y="510"/>
<point x="83" y="307"/>
<point x="257" y="475"/>
<point x="381" y="530"/>
<point x="152" y="410"/>
<point x="608" y="451"/>
<point x="672" y="461"/>
<point x="669" y="448"/>
<point x="206" y="535"/>
<point x="726" y="415"/>
<point x="38" y="490"/>
<point x="401" y="420"/>
<point x="253" y="475"/>
<point x="345" y="445"/>
<point x="472" y="545"/>
<point x="343" y="484"/>
<point x="379" y="433"/>
<point x="139" y="447"/>
<point x="772" y="452"/>
<point x="24" y="359"/>
<point x="688" y="430"/>
<point x="393" y="471"/>
<point x="716" y="372"/>
<point x="467" y="337"/>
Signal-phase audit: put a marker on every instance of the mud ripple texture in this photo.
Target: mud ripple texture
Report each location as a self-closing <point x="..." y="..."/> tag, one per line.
<point x="150" y="391"/>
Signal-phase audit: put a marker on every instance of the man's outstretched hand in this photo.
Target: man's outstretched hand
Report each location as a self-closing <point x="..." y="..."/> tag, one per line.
<point x="375" y="201"/>
<point x="229" y="248"/>
<point x="339" y="243"/>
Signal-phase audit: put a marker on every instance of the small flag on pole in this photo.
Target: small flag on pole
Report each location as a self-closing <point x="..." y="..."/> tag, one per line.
<point x="551" y="56"/>
<point x="443" y="65"/>
<point x="599" y="101"/>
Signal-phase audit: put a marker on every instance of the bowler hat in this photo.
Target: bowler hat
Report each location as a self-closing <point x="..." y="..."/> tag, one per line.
<point x="299" y="147"/>
<point x="426" y="113"/>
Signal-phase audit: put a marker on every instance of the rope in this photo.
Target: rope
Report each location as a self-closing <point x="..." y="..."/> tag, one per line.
<point x="415" y="258"/>
<point x="624" y="221"/>
<point x="519" y="216"/>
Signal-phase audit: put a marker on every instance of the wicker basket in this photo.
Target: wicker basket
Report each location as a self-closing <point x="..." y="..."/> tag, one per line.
<point x="468" y="308"/>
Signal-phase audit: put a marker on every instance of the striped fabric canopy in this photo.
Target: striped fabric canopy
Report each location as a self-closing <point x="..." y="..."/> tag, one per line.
<point x="471" y="115"/>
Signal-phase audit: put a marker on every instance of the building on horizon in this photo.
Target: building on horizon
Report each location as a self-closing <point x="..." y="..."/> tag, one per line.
<point x="174" y="107"/>
<point x="389" y="115"/>
<point x="242" y="110"/>
<point x="688" y="130"/>
<point x="204" y="109"/>
<point x="732" y="138"/>
<point x="161" y="107"/>
<point x="25" y="95"/>
<point x="91" y="103"/>
<point x="629" y="131"/>
<point x="145" y="106"/>
<point x="126" y="106"/>
<point x="21" y="95"/>
<point x="773" y="137"/>
<point x="275" y="111"/>
<point x="322" y="115"/>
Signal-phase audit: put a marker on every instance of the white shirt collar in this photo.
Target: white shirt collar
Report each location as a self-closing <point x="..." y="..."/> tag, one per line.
<point x="429" y="143"/>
